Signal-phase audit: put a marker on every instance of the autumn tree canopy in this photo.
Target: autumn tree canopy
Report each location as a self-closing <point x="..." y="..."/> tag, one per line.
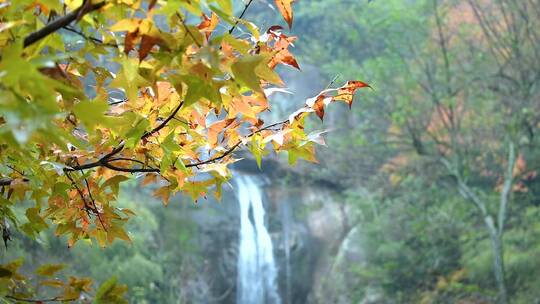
<point x="93" y="93"/>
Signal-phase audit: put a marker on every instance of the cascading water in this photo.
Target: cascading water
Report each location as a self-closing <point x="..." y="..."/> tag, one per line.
<point x="286" y="228"/>
<point x="256" y="266"/>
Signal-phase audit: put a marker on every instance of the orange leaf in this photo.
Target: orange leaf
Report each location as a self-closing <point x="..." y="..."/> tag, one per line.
<point x="149" y="179"/>
<point x="318" y="106"/>
<point x="164" y="91"/>
<point x="284" y="7"/>
<point x="346" y="92"/>
<point x="164" y="194"/>
<point x="216" y="128"/>
<point x="208" y="24"/>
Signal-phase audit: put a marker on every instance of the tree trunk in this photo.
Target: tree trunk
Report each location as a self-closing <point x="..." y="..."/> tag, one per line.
<point x="498" y="261"/>
<point x="495" y="235"/>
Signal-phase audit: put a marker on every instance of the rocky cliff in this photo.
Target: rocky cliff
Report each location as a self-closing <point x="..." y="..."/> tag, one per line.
<point x="314" y="235"/>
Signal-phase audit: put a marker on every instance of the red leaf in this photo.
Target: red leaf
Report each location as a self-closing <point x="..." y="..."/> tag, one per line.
<point x="147" y="43"/>
<point x="130" y="40"/>
<point x="274" y="28"/>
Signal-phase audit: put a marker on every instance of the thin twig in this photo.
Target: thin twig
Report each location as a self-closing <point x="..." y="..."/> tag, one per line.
<point x="55" y="299"/>
<point x="333" y="81"/>
<point x="81" y="194"/>
<point x="187" y="29"/>
<point x="90" y="38"/>
<point x="6" y="181"/>
<point x="130" y="170"/>
<point x="61" y="22"/>
<point x="96" y="211"/>
<point x="231" y="149"/>
<point x="164" y="123"/>
<point x="240" y="17"/>
<point x="118" y="102"/>
<point x="106" y="160"/>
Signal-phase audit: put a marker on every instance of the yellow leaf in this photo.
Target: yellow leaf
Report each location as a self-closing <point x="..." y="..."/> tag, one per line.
<point x="164" y="194"/>
<point x="128" y="25"/>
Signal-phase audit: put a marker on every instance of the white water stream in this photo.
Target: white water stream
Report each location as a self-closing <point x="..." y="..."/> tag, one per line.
<point x="257" y="271"/>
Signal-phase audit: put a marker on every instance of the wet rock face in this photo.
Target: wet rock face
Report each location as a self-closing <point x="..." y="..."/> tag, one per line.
<point x="307" y="226"/>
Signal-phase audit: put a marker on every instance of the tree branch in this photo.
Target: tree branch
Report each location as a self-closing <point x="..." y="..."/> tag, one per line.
<point x="241" y="16"/>
<point x="231" y="149"/>
<point x="61" y="22"/>
<point x="187" y="30"/>
<point x="94" y="40"/>
<point x="55" y="299"/>
<point x="6" y="181"/>
<point x="465" y="190"/>
<point x="106" y="160"/>
<point x="507" y="187"/>
<point x="108" y="165"/>
<point x="163" y="124"/>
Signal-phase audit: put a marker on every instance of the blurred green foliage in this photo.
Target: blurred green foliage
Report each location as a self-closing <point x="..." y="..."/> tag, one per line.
<point x="150" y="265"/>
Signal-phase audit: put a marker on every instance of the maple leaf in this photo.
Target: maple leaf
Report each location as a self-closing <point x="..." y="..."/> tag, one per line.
<point x="215" y="129"/>
<point x="346" y="92"/>
<point x="318" y="106"/>
<point x="208" y="24"/>
<point x="147" y="43"/>
<point x="175" y="111"/>
<point x="281" y="46"/>
<point x="163" y="193"/>
<point x="130" y="40"/>
<point x="285" y="8"/>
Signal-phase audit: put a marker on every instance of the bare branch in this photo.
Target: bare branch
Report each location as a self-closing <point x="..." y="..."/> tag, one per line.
<point x="507" y="187"/>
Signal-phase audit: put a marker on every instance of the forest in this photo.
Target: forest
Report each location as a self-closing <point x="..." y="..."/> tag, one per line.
<point x="270" y="151"/>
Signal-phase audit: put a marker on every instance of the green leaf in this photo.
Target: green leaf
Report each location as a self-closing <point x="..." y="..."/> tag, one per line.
<point x="61" y="189"/>
<point x="36" y="221"/>
<point x="118" y="232"/>
<point x="169" y="145"/>
<point x="114" y="182"/>
<point x="110" y="292"/>
<point x="91" y="112"/>
<point x="256" y="146"/>
<point x="199" y="88"/>
<point x="226" y="6"/>
<point x="106" y="287"/>
<point x="134" y="135"/>
<point x="49" y="269"/>
<point x="129" y="79"/>
<point x="244" y="72"/>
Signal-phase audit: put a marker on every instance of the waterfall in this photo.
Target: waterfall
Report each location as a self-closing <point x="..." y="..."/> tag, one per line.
<point x="256" y="282"/>
<point x="286" y="228"/>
